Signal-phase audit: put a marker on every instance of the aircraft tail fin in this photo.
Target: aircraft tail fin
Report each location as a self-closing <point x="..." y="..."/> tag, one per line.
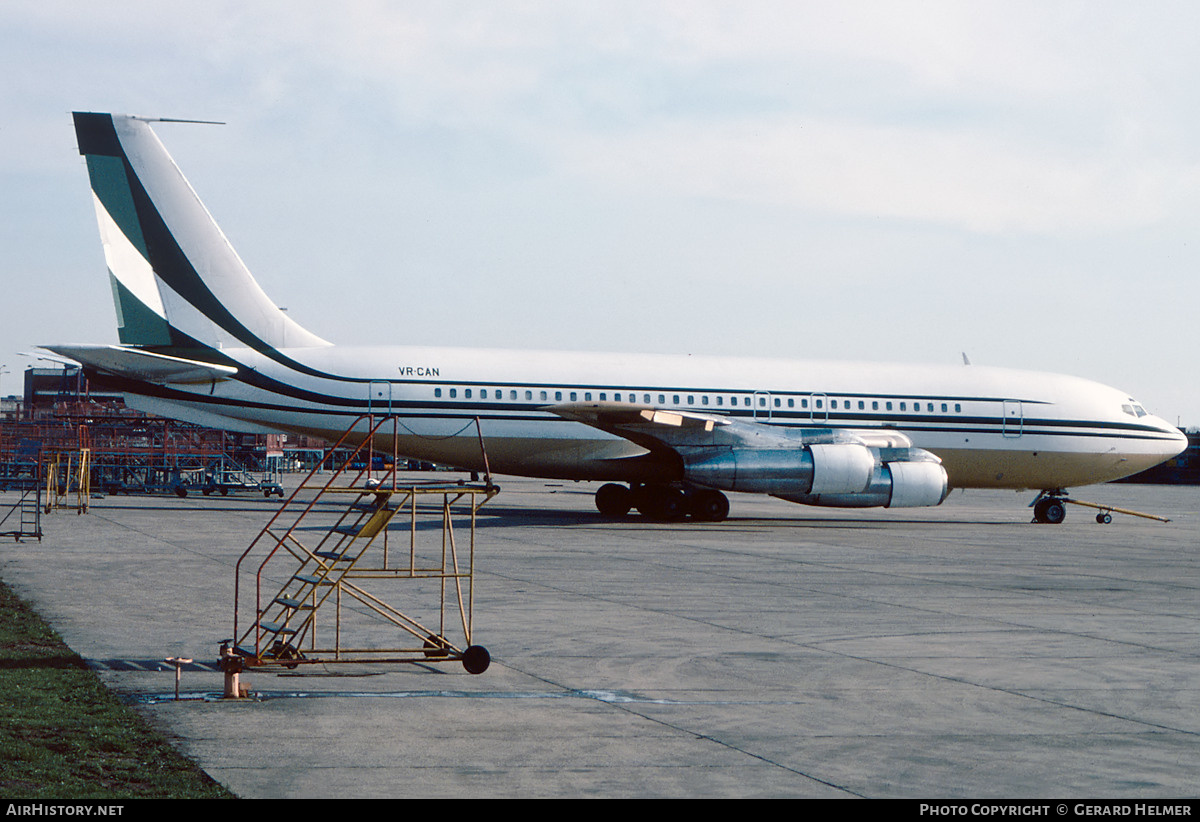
<point x="178" y="285"/>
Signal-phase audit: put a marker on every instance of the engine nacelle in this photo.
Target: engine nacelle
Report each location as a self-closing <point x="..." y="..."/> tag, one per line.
<point x="915" y="484"/>
<point x="837" y="468"/>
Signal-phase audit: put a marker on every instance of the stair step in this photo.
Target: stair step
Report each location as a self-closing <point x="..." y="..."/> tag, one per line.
<point x="288" y="602"/>
<point x="276" y="628"/>
<point x="312" y="580"/>
<point x="333" y="555"/>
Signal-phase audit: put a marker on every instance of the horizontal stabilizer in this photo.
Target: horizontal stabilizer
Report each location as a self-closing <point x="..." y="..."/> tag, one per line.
<point x="124" y="361"/>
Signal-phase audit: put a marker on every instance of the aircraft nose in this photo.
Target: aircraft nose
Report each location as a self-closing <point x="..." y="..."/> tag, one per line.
<point x="1176" y="442"/>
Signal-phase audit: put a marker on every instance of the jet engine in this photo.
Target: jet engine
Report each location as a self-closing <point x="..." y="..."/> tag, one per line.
<point x="898" y="484"/>
<point x="817" y="469"/>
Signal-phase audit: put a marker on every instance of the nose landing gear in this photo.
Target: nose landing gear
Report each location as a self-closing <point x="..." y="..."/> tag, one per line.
<point x="1049" y="507"/>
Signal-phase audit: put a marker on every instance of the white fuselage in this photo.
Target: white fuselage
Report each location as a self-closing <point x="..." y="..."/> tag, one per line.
<point x="991" y="427"/>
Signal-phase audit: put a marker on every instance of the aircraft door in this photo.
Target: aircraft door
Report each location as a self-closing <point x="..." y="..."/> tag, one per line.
<point x="762" y="405"/>
<point x="379" y="397"/>
<point x="1014" y="421"/>
<point x="818" y="407"/>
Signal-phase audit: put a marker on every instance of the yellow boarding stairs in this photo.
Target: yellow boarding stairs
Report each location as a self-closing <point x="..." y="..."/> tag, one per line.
<point x="350" y="565"/>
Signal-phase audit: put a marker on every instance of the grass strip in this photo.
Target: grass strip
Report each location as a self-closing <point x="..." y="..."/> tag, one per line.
<point x="63" y="735"/>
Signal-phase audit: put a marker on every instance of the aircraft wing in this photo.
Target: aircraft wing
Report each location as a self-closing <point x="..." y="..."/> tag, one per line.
<point x="818" y="465"/>
<point x="124" y="361"/>
<point x="690" y="433"/>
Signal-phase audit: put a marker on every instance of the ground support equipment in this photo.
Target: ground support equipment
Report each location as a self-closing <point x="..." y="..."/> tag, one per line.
<point x="1049" y="507"/>
<point x="320" y="583"/>
<point x="1104" y="517"/>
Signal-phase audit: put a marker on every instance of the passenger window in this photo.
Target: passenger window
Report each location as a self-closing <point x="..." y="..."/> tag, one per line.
<point x="542" y="396"/>
<point x="603" y="396"/>
<point x="720" y="399"/>
<point x="587" y="396"/>
<point x="453" y="393"/>
<point x="558" y="396"/>
<point x="574" y="396"/>
<point x="804" y="403"/>
<point x="704" y="400"/>
<point x="512" y="395"/>
<point x="662" y="400"/>
<point x="528" y="395"/>
<point x="957" y="407"/>
<point x="903" y="406"/>
<point x="467" y="393"/>
<point x="791" y="402"/>
<point x="833" y="403"/>
<point x="437" y="392"/>
<point x="945" y="408"/>
<point x="874" y="405"/>
<point x="889" y="405"/>
<point x="862" y="406"/>
<point x="646" y="399"/>
<point x="675" y="399"/>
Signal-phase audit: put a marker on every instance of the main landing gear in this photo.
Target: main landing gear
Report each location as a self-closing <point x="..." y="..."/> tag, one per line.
<point x="665" y="503"/>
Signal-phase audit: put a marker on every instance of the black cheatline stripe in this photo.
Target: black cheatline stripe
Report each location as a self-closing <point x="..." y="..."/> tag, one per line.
<point x="463" y="411"/>
<point x="922" y="422"/>
<point x="793" y="393"/>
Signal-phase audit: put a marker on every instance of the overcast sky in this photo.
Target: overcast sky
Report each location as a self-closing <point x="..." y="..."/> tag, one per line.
<point x="837" y="180"/>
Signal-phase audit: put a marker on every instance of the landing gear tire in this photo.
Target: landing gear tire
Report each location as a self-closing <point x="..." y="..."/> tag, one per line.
<point x="614" y="500"/>
<point x="662" y="503"/>
<point x="1049" y="511"/>
<point x="1104" y="518"/>
<point x="709" y="506"/>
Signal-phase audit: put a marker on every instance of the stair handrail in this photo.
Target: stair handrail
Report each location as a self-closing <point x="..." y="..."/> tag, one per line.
<point x="372" y="429"/>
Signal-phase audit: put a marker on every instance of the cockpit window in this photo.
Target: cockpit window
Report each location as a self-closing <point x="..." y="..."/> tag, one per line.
<point x="1134" y="409"/>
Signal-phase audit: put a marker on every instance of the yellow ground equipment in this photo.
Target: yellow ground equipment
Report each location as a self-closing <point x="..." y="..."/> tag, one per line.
<point x="322" y="581"/>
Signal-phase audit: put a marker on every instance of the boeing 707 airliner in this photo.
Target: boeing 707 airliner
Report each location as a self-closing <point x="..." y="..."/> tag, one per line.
<point x="200" y="341"/>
